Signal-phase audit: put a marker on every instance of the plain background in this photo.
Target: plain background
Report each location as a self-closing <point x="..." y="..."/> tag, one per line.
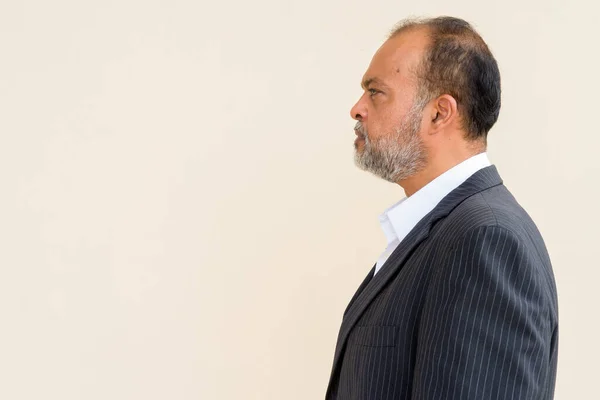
<point x="180" y="216"/>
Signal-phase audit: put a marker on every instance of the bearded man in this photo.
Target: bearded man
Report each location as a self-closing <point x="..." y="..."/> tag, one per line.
<point x="462" y="302"/>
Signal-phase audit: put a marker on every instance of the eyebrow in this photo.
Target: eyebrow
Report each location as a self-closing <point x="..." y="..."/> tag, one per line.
<point x="367" y="82"/>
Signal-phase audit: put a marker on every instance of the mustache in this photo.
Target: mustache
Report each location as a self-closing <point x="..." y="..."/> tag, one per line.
<point x="360" y="129"/>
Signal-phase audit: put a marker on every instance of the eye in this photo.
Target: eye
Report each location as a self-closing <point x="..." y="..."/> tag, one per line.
<point x="373" y="92"/>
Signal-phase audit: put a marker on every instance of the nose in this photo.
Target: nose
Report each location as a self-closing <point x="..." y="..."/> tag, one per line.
<point x="359" y="110"/>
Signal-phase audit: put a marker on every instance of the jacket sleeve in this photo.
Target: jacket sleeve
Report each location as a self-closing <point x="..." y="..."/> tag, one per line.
<point x="484" y="331"/>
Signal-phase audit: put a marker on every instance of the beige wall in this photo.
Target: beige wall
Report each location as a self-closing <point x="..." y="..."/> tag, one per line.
<point x="180" y="217"/>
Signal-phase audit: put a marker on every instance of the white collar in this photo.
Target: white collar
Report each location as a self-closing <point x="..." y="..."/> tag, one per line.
<point x="398" y="220"/>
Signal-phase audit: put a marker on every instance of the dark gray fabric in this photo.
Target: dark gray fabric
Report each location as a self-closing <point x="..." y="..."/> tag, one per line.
<point x="464" y="308"/>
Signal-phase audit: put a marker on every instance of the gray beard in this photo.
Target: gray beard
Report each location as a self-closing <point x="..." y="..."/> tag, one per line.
<point x="397" y="156"/>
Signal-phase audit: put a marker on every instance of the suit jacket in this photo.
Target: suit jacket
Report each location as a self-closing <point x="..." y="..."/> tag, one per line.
<point x="464" y="308"/>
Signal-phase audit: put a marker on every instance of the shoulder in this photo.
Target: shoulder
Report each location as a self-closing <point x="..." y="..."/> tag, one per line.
<point x="492" y="226"/>
<point x="493" y="207"/>
<point x="492" y="210"/>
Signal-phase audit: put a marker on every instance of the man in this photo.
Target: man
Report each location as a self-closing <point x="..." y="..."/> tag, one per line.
<point x="462" y="303"/>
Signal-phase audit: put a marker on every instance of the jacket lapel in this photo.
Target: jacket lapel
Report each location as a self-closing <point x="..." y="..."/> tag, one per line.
<point x="481" y="180"/>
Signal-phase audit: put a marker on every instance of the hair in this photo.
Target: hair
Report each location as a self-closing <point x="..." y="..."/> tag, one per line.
<point x="459" y="63"/>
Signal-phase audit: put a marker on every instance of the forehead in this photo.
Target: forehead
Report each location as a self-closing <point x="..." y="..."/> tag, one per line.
<point x="395" y="61"/>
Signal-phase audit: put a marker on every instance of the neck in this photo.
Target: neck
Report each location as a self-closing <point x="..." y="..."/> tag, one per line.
<point x="437" y="165"/>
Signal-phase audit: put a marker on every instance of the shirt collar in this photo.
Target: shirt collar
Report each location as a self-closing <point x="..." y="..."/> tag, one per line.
<point x="399" y="219"/>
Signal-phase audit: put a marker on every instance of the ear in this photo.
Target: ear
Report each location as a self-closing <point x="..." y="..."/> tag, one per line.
<point x="443" y="113"/>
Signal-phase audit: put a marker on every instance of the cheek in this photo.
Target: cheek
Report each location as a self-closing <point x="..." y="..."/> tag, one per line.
<point x="381" y="124"/>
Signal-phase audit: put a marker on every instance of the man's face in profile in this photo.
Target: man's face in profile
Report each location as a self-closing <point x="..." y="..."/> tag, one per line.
<point x="389" y="114"/>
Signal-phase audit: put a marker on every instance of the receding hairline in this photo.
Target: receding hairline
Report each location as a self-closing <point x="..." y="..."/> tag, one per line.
<point x="409" y="24"/>
<point x="468" y="37"/>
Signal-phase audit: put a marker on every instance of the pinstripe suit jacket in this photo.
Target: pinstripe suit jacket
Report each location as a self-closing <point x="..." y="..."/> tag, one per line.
<point x="464" y="308"/>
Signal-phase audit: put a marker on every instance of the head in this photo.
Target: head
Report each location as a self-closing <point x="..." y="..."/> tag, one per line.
<point x="431" y="95"/>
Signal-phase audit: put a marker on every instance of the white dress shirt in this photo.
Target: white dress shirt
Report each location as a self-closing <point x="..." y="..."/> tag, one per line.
<point x="398" y="220"/>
